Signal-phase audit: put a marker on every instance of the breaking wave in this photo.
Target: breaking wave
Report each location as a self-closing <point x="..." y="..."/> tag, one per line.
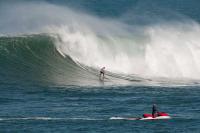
<point x="71" y="47"/>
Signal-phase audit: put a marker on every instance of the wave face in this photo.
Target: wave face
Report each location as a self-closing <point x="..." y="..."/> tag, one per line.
<point x="59" y="45"/>
<point x="30" y="59"/>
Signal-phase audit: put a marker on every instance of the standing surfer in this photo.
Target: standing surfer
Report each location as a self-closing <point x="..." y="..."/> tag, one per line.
<point x="102" y="72"/>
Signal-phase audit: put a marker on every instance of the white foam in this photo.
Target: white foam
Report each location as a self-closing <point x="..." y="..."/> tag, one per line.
<point x="116" y="118"/>
<point x="167" y="50"/>
<point x="48" y="118"/>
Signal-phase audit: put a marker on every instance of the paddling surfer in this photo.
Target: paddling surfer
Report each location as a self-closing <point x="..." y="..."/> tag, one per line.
<point x="102" y="72"/>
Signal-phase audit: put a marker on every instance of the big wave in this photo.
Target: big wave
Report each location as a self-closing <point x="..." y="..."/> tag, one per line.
<point x="161" y="50"/>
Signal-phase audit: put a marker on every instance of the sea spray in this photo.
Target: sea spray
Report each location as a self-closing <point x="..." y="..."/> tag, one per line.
<point x="163" y="49"/>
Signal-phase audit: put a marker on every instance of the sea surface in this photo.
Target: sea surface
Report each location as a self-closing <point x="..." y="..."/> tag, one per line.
<point x="51" y="52"/>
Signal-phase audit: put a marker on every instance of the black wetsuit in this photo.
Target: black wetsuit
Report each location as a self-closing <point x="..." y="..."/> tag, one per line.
<point x="102" y="72"/>
<point x="154" y="111"/>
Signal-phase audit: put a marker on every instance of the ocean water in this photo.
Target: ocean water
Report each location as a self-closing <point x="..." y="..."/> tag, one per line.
<point x="51" y="52"/>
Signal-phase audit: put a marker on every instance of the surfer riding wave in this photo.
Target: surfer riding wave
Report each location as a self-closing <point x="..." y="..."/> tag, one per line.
<point x="102" y="73"/>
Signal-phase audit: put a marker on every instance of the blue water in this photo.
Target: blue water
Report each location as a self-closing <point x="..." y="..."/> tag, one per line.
<point x="88" y="109"/>
<point x="45" y="89"/>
